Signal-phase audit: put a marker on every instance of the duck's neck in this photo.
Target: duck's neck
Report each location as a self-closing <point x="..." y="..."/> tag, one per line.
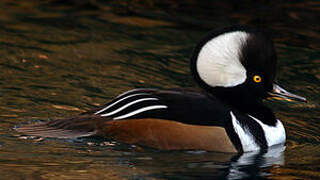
<point x="246" y="104"/>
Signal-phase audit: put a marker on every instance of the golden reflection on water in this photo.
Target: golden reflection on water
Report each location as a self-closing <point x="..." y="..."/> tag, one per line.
<point x="57" y="60"/>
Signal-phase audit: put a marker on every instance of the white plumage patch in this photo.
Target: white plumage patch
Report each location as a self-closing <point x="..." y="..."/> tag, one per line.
<point x="110" y="105"/>
<point x="274" y="134"/>
<point x="148" y="108"/>
<point x="246" y="138"/>
<point x="137" y="102"/>
<point x="218" y="62"/>
<point x="127" y="105"/>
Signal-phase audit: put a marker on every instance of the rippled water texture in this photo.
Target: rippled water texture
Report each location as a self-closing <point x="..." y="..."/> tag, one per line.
<point x="60" y="58"/>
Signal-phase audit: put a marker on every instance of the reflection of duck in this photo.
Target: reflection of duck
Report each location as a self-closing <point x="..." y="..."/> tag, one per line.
<point x="236" y="67"/>
<point x="249" y="164"/>
<point x="211" y="165"/>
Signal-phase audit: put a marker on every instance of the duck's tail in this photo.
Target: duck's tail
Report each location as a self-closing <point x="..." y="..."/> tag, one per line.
<point x="75" y="127"/>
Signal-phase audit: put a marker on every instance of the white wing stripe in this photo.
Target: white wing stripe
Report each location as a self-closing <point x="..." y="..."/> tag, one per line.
<point x="127" y="105"/>
<point x="119" y="101"/>
<point x="140" y="111"/>
<point x="127" y="92"/>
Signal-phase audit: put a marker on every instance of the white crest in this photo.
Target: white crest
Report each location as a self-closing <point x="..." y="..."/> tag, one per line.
<point x="218" y="62"/>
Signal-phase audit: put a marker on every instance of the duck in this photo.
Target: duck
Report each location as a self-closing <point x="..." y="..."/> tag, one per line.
<point x="235" y="68"/>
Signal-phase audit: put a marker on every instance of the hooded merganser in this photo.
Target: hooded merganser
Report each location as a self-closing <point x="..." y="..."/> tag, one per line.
<point x="235" y="66"/>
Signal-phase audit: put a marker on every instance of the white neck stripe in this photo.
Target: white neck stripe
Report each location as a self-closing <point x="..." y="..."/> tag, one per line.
<point x="119" y="101"/>
<point x="140" y="111"/>
<point x="274" y="134"/>
<point x="246" y="138"/>
<point x="127" y="105"/>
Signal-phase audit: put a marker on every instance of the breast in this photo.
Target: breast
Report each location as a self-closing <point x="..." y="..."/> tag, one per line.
<point x="254" y="134"/>
<point x="274" y="134"/>
<point x="168" y="135"/>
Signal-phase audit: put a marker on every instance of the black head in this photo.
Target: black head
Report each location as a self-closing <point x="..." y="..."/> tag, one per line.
<point x="238" y="66"/>
<point x="235" y="62"/>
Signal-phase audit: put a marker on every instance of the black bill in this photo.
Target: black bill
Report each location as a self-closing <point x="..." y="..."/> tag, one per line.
<point x="279" y="92"/>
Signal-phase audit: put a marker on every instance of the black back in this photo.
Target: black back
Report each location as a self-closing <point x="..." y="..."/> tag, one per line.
<point x="190" y="107"/>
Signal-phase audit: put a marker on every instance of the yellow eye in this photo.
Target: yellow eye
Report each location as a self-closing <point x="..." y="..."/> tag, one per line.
<point x="257" y="78"/>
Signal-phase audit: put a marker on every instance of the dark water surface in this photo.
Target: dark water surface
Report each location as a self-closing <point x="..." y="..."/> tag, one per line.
<point x="60" y="59"/>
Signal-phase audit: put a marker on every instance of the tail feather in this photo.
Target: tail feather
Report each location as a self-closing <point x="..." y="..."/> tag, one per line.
<point x="75" y="127"/>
